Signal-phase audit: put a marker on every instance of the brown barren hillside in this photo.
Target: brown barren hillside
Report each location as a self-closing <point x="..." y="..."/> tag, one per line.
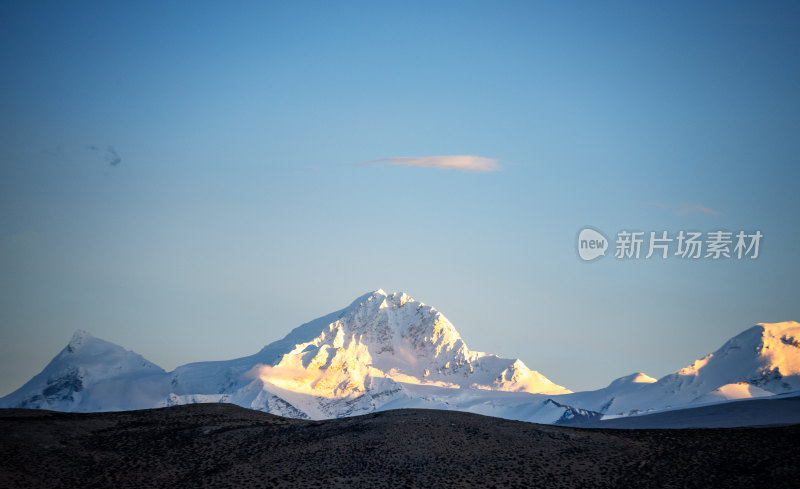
<point x="222" y="445"/>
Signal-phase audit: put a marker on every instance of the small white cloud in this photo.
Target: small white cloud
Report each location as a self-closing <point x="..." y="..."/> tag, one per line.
<point x="685" y="209"/>
<point x="454" y="162"/>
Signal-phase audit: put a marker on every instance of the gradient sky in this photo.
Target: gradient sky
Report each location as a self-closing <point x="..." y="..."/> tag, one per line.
<point x="188" y="180"/>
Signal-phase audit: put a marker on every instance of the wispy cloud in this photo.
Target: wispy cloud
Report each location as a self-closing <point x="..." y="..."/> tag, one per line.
<point x="684" y="209"/>
<point x="111" y="156"/>
<point x="453" y="162"/>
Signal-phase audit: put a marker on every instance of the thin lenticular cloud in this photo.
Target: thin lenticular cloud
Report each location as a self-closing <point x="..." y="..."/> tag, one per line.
<point x="454" y="162"/>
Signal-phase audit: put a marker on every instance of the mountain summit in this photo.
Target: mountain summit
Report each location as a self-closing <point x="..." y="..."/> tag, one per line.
<point x="396" y="337"/>
<point x="387" y="351"/>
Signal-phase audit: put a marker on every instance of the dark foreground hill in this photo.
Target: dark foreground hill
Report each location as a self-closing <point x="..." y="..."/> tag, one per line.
<point x="222" y="445"/>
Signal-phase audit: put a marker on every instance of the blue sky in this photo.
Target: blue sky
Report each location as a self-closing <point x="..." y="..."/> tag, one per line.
<point x="238" y="206"/>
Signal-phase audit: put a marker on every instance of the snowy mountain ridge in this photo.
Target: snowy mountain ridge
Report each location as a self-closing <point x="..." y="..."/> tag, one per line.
<point x="387" y="351"/>
<point x="761" y="361"/>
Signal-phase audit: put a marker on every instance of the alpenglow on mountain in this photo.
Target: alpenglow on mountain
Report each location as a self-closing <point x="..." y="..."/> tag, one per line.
<point x="387" y="351"/>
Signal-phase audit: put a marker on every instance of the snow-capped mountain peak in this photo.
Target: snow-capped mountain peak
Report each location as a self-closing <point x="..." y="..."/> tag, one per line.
<point x="634" y="378"/>
<point x="78" y="338"/>
<point x="68" y="382"/>
<point x="762" y="360"/>
<point x="387" y="351"/>
<point x="761" y="355"/>
<point x="373" y="350"/>
<point x="351" y="361"/>
<point x="397" y="337"/>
